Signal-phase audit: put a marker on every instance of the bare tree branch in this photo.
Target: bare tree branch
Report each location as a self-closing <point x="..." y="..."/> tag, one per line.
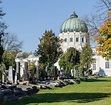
<point x="11" y="42"/>
<point x="97" y="20"/>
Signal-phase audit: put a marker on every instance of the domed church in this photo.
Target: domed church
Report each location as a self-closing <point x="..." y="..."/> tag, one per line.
<point x="74" y="33"/>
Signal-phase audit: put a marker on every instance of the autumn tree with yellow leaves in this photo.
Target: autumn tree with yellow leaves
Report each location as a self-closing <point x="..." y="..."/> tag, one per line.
<point x="104" y="39"/>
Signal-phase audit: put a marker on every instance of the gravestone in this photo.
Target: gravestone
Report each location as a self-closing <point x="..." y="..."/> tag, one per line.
<point x="75" y="73"/>
<point x="72" y="73"/>
<point x="3" y="78"/>
<point x="10" y="74"/>
<point x="15" y="79"/>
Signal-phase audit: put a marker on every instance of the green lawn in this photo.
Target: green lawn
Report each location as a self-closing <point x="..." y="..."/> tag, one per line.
<point x="92" y="92"/>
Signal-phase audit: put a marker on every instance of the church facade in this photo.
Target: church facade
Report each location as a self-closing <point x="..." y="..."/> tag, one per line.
<point x="74" y="33"/>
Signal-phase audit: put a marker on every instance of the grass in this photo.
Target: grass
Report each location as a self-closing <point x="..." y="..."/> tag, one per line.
<point x="91" y="92"/>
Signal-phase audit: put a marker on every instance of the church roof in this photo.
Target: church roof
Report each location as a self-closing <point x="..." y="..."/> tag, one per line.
<point x="73" y="24"/>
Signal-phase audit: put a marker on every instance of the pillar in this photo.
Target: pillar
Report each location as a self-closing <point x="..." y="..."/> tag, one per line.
<point x="10" y="74"/>
<point x="25" y="71"/>
<point x="18" y="70"/>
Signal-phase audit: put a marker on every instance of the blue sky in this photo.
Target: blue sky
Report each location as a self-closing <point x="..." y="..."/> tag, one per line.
<point x="28" y="19"/>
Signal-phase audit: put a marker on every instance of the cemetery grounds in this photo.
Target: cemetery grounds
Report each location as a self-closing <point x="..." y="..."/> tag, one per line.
<point x="90" y="92"/>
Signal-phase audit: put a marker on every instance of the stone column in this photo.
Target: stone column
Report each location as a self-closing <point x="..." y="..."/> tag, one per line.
<point x="25" y="70"/>
<point x="18" y="70"/>
<point x="10" y="74"/>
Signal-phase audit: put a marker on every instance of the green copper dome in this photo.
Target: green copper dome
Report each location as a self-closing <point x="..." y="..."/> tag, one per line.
<point x="74" y="24"/>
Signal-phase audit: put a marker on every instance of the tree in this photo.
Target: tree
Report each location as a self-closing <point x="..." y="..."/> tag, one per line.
<point x="99" y="26"/>
<point x="95" y="20"/>
<point x="11" y="47"/>
<point x="2" y="28"/>
<point x="103" y="7"/>
<point x="31" y="69"/>
<point x="70" y="58"/>
<point x="9" y="58"/>
<point x="49" y="49"/>
<point x="104" y="39"/>
<point x="86" y="57"/>
<point x="62" y="61"/>
<point x="42" y="71"/>
<point x="11" y="42"/>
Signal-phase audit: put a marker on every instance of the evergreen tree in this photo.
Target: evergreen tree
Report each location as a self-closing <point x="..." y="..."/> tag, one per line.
<point x="70" y="59"/>
<point x="49" y="49"/>
<point x="86" y="57"/>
